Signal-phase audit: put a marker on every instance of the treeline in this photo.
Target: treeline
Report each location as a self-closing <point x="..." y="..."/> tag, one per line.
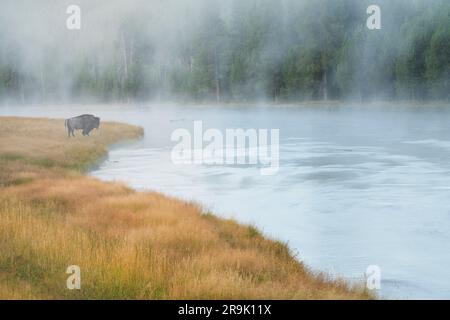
<point x="243" y="50"/>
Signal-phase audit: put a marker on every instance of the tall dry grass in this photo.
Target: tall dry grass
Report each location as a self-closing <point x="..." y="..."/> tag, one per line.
<point x="129" y="245"/>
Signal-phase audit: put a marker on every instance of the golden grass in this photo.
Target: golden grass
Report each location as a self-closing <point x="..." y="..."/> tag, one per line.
<point x="129" y="245"/>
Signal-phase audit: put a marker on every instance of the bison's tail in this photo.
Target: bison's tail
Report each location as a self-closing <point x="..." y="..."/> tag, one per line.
<point x="65" y="123"/>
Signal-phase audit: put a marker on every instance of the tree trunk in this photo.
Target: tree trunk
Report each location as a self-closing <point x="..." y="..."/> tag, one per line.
<point x="276" y="88"/>
<point x="325" y="85"/>
<point x="125" y="68"/>
<point x="22" y="92"/>
<point x="43" y="89"/>
<point x="125" y="57"/>
<point x="216" y="74"/>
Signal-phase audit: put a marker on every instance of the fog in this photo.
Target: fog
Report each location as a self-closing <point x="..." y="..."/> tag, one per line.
<point x="347" y="174"/>
<point x="248" y="50"/>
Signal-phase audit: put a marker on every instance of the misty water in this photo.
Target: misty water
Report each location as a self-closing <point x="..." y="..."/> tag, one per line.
<point x="357" y="186"/>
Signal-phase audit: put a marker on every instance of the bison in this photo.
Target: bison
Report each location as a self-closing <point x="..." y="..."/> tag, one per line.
<point x="85" y="122"/>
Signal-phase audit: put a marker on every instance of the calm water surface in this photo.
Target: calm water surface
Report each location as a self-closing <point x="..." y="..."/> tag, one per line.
<point x="357" y="186"/>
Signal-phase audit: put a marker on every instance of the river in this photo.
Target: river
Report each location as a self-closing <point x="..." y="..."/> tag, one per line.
<point x="357" y="186"/>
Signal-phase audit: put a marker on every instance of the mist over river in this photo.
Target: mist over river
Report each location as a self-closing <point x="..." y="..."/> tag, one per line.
<point x="357" y="186"/>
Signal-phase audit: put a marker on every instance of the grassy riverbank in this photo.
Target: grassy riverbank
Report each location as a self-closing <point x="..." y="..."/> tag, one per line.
<point x="128" y="244"/>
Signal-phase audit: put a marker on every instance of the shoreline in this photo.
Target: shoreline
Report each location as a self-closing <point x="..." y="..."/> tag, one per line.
<point x="129" y="244"/>
<point x="255" y="104"/>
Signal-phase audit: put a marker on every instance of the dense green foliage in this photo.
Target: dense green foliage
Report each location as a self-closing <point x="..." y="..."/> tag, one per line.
<point x="244" y="50"/>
